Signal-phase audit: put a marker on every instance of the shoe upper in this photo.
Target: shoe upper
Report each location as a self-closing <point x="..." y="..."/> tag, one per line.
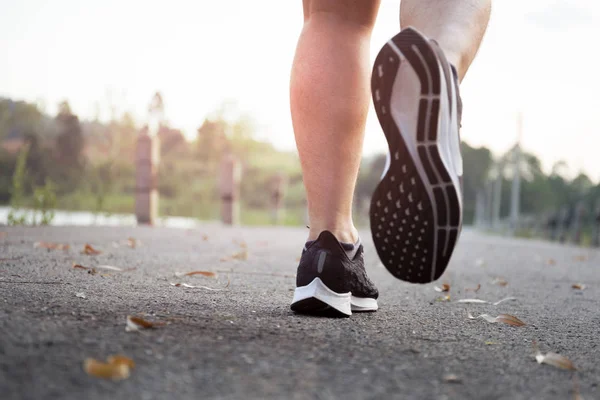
<point x="327" y="259"/>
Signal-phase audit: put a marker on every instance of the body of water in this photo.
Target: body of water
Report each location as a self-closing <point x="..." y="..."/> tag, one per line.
<point x="86" y="218"/>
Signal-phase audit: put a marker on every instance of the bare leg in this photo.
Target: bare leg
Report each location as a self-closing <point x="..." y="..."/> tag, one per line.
<point x="457" y="25"/>
<point x="330" y="95"/>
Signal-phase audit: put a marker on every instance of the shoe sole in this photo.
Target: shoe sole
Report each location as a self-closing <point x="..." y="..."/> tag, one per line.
<point x="316" y="297"/>
<point x="416" y="210"/>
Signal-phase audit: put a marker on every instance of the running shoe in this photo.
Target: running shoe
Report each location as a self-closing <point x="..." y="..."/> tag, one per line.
<point x="416" y="210"/>
<point x="331" y="277"/>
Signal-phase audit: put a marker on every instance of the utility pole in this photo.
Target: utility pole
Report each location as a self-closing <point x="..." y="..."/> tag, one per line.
<point x="516" y="183"/>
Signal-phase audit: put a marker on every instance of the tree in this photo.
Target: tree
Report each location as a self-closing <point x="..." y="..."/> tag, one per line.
<point x="70" y="142"/>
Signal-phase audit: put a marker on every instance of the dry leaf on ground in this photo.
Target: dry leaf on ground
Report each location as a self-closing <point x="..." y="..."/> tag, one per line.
<point x="475" y="290"/>
<point x="91" y="271"/>
<point x="134" y="324"/>
<point x="452" y="378"/>
<point x="81" y="295"/>
<point x="480" y="301"/>
<point x="240" y="255"/>
<point x="209" y="274"/>
<point x="579" y="286"/>
<point x="186" y="285"/>
<point x="117" y="368"/>
<point x="241" y="243"/>
<point x="490" y="342"/>
<point x="51" y="246"/>
<point x="119" y="359"/>
<point x="205" y="237"/>
<point x="551" y="261"/>
<point x="556" y="360"/>
<point x="500" y="281"/>
<point x="133" y="243"/>
<point x="90" y="251"/>
<point x="503" y="318"/>
<point x="445" y="288"/>
<point x="443" y="299"/>
<point x="3" y="235"/>
<point x="580" y="258"/>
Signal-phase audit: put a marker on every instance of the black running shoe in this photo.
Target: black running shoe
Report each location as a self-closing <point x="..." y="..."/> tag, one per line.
<point x="332" y="275"/>
<point x="416" y="210"/>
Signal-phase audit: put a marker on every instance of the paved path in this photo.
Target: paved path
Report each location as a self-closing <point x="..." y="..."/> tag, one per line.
<point x="244" y="342"/>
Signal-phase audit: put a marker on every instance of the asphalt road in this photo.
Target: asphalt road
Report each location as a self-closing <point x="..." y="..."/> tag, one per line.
<point x="244" y="342"/>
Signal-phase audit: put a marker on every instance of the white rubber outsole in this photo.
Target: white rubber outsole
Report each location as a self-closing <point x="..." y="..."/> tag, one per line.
<point x="345" y="303"/>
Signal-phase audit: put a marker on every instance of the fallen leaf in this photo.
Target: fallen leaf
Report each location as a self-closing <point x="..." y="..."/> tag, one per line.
<point x="579" y="286"/>
<point x="116" y="371"/>
<point x="92" y="271"/>
<point x="480" y="301"/>
<point x="81" y="295"/>
<point x="500" y="281"/>
<point x="134" y="324"/>
<point x="503" y="318"/>
<point x="51" y="246"/>
<point x="205" y="237"/>
<point x="474" y="290"/>
<point x="556" y="360"/>
<point x="185" y="285"/>
<point x="581" y="258"/>
<point x="443" y="299"/>
<point x="90" y="251"/>
<point x="3" y="235"/>
<point x="119" y="359"/>
<point x="79" y="266"/>
<point x="451" y="378"/>
<point x="551" y="261"/>
<point x="111" y="268"/>
<point x="240" y="255"/>
<point x="490" y="342"/>
<point x="445" y="288"/>
<point x="209" y="274"/>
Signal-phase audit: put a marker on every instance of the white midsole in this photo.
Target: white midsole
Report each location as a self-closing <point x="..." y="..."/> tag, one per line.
<point x="342" y="302"/>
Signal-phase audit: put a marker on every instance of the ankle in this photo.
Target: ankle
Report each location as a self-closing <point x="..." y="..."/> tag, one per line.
<point x="345" y="234"/>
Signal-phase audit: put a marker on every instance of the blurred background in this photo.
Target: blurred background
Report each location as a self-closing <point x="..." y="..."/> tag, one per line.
<point x="81" y="82"/>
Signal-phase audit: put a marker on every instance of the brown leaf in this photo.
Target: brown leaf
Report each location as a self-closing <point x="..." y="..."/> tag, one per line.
<point x="51" y="246"/>
<point x="445" y="288"/>
<point x="3" y="235"/>
<point x="475" y="290"/>
<point x="134" y="324"/>
<point x="581" y="258"/>
<point x="205" y="237"/>
<point x="500" y="281"/>
<point x="210" y="274"/>
<point x="90" y="251"/>
<point x="133" y="243"/>
<point x="185" y="285"/>
<point x="504" y="318"/>
<point x="119" y="359"/>
<point x="579" y="286"/>
<point x="551" y="261"/>
<point x="98" y="369"/>
<point x="79" y="266"/>
<point x="556" y="360"/>
<point x="509" y="320"/>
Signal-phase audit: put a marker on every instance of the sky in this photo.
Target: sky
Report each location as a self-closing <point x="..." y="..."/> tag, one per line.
<point x="538" y="58"/>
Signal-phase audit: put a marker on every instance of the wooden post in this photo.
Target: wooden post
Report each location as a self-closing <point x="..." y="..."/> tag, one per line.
<point x="278" y="189"/>
<point x="229" y="188"/>
<point x="146" y="166"/>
